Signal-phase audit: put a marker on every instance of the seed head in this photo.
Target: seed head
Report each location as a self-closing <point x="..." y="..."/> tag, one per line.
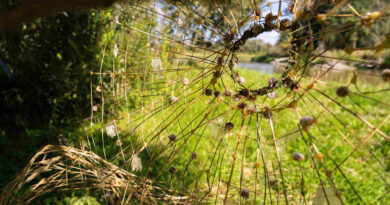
<point x="194" y="155"/>
<point x="208" y="44"/>
<point x="257" y="29"/>
<point x="118" y="143"/>
<point x="321" y="17"/>
<point x="298" y="156"/>
<point x="229" y="126"/>
<point x="236" y="97"/>
<point x="111" y="131"/>
<point x="241" y="106"/>
<point x="172" y="170"/>
<point x="208" y="92"/>
<point x="252" y="109"/>
<point x="244" y="193"/>
<point x="267" y="113"/>
<point x="217" y="93"/>
<point x="185" y="81"/>
<point x="228" y="93"/>
<point x="306" y="122"/>
<point x="99" y="89"/>
<point x="342" y="91"/>
<point x="328" y="173"/>
<point x="172" y="138"/>
<point x="136" y="164"/>
<point x="293" y="104"/>
<point x="95" y="108"/>
<point x="285" y="24"/>
<point x="272" y="95"/>
<point x="174" y="99"/>
<point x="272" y="82"/>
<point x="241" y="79"/>
<point x="386" y="75"/>
<point x="319" y="156"/>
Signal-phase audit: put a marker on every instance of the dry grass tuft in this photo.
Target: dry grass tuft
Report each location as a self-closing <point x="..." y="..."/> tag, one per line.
<point x="63" y="168"/>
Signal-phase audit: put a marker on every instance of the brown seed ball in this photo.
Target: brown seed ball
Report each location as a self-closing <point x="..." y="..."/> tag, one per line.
<point x="270" y="17"/>
<point x="306" y="122"/>
<point x="229" y="126"/>
<point x="298" y="156"/>
<point x="194" y="155"/>
<point x="208" y="92"/>
<point x="328" y="173"/>
<point x="245" y="194"/>
<point x="172" y="138"/>
<point x="319" y="156"/>
<point x="208" y="44"/>
<point x="241" y="106"/>
<point x="267" y="113"/>
<point x="386" y="75"/>
<point x="284" y="24"/>
<point x="342" y="91"/>
<point x="236" y="97"/>
<point x="217" y="93"/>
<point x="257" y="29"/>
<point x="172" y="170"/>
<point x="252" y="97"/>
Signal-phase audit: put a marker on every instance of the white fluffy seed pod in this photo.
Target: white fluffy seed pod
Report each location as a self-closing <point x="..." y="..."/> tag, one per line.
<point x="185" y="81"/>
<point x="115" y="50"/>
<point x="136" y="164"/>
<point x="174" y="99"/>
<point x="306" y="122"/>
<point x="95" y="108"/>
<point x="298" y="156"/>
<point x="111" y="131"/>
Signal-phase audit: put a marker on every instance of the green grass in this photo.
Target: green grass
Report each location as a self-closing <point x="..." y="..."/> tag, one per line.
<point x="360" y="169"/>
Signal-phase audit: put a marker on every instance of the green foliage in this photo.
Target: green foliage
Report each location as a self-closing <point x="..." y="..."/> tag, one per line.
<point x="364" y="37"/>
<point x="43" y="83"/>
<point x="265" y="58"/>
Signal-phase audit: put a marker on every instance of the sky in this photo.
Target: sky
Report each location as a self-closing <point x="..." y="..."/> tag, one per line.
<point x="272" y="37"/>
